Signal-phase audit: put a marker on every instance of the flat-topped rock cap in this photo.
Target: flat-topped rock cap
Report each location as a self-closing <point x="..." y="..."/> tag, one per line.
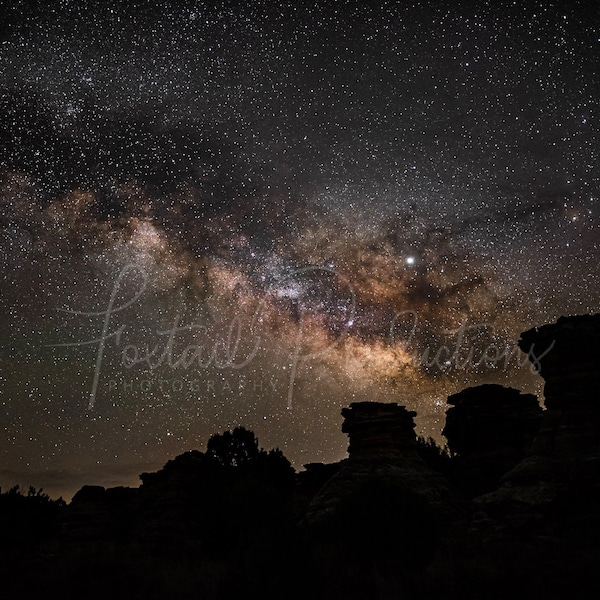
<point x="378" y="428"/>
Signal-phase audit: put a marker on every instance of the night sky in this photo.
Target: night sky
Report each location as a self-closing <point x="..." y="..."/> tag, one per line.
<point x="223" y="214"/>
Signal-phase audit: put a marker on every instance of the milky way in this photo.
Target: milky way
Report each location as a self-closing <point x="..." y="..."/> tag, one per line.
<point x="223" y="214"/>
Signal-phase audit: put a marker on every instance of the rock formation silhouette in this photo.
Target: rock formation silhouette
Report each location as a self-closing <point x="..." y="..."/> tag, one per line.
<point x="562" y="474"/>
<point x="383" y="449"/>
<point x="518" y="514"/>
<point x="490" y="429"/>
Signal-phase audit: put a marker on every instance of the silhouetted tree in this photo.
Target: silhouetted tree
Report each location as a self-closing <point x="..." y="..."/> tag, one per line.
<point x="235" y="448"/>
<point x="438" y="458"/>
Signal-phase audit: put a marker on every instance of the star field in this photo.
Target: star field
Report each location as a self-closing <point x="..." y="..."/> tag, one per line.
<point x="216" y="214"/>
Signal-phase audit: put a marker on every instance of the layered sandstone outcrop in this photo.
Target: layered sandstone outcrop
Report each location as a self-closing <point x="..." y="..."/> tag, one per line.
<point x="383" y="456"/>
<point x="562" y="474"/>
<point x="490" y="429"/>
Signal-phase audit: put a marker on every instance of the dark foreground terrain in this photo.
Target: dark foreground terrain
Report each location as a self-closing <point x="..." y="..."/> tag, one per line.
<point x="512" y="510"/>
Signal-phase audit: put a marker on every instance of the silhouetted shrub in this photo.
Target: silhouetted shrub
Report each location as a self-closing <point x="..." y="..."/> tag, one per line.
<point x="26" y="519"/>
